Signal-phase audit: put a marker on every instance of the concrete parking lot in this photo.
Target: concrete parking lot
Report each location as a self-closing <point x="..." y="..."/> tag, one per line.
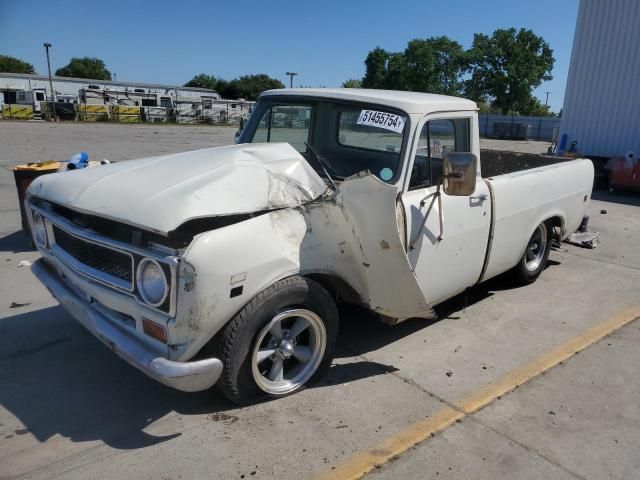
<point x="494" y="389"/>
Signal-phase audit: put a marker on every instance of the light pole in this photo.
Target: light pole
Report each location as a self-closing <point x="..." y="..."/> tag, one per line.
<point x="546" y="101"/>
<point x="291" y="75"/>
<point x="47" y="46"/>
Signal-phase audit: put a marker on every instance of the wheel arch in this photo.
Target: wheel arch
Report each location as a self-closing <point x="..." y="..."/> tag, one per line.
<point x="337" y="286"/>
<point x="556" y="219"/>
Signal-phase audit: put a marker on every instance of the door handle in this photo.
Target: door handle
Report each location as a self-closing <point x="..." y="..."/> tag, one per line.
<point x="478" y="200"/>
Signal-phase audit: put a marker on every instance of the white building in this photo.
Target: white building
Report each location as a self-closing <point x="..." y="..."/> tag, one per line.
<point x="27" y="89"/>
<point x="601" y="109"/>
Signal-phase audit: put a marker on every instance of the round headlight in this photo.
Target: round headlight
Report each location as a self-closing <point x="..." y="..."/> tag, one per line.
<point x="39" y="230"/>
<point x="152" y="282"/>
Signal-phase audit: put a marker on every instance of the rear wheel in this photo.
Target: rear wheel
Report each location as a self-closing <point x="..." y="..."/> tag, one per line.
<point x="535" y="257"/>
<point x="282" y="340"/>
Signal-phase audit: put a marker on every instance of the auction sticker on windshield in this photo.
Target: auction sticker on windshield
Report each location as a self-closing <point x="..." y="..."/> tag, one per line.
<point x="388" y="121"/>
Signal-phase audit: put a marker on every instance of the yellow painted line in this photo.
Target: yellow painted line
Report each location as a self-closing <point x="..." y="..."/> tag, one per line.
<point x="553" y="357"/>
<point x="362" y="463"/>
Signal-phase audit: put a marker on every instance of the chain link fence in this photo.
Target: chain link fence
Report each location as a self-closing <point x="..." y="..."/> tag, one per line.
<point x="208" y="112"/>
<point x="519" y="127"/>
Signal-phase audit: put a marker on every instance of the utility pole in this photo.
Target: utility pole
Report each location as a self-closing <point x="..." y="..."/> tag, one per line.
<point x="291" y="75"/>
<point x="47" y="46"/>
<point x="546" y="101"/>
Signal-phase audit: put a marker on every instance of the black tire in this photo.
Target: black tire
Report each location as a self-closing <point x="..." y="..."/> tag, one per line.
<point x="523" y="273"/>
<point x="235" y="344"/>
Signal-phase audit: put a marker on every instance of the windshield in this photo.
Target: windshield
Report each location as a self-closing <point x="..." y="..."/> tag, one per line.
<point x="348" y="137"/>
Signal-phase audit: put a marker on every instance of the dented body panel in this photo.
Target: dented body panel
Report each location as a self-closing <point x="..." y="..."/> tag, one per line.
<point x="369" y="206"/>
<point x="352" y="236"/>
<point x="385" y="244"/>
<point x="161" y="193"/>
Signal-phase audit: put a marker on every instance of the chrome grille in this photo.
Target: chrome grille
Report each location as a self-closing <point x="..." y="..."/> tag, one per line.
<point x="103" y="259"/>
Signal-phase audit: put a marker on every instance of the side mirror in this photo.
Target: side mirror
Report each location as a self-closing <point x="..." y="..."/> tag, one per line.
<point x="459" y="173"/>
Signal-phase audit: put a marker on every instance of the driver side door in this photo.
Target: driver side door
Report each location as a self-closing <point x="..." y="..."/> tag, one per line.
<point x="445" y="261"/>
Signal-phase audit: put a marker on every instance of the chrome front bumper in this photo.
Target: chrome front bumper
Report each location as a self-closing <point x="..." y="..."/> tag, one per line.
<point x="186" y="376"/>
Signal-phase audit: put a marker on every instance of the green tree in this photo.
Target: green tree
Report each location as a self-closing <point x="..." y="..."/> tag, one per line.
<point x="14" y="65"/>
<point x="485" y="108"/>
<point x="85" y="67"/>
<point x="250" y="87"/>
<point x="376" y="68"/>
<point x="352" y="83"/>
<point x="396" y="76"/>
<point x="220" y="85"/>
<point x="225" y="89"/>
<point x="534" y="108"/>
<point x="433" y="65"/>
<point x="203" y="81"/>
<point x="507" y="66"/>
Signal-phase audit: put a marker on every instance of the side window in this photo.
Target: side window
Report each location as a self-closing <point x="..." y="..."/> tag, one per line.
<point x="285" y="123"/>
<point x="436" y="139"/>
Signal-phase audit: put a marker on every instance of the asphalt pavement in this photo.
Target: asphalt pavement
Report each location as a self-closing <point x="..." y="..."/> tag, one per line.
<point x="69" y="408"/>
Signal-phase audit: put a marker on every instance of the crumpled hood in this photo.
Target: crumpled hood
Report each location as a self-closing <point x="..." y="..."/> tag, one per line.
<point x="161" y="193"/>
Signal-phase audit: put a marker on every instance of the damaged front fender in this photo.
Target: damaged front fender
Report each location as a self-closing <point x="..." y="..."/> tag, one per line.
<point x="369" y="208"/>
<point x="352" y="236"/>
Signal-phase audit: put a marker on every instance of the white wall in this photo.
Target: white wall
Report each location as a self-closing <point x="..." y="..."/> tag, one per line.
<point x="602" y="100"/>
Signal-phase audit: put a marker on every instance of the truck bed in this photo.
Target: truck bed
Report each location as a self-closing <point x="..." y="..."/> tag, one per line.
<point x="541" y="188"/>
<point x="495" y="162"/>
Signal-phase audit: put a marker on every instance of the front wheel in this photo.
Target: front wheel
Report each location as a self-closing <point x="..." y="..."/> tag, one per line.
<point x="535" y="257"/>
<point x="282" y="340"/>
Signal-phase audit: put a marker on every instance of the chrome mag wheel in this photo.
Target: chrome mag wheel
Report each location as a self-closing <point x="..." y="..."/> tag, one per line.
<point x="288" y="351"/>
<point x="536" y="248"/>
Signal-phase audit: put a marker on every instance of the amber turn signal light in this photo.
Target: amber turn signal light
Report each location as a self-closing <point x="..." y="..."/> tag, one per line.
<point x="154" y="330"/>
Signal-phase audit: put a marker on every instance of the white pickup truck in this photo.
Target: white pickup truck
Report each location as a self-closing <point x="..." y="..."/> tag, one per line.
<point x="224" y="265"/>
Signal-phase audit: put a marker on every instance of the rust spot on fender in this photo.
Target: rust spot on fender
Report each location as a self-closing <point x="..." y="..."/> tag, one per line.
<point x="199" y="312"/>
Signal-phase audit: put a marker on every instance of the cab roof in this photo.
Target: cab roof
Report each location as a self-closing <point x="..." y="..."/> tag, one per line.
<point x="410" y="102"/>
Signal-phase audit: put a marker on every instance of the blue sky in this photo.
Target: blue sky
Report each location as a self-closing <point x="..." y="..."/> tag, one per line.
<point x="170" y="41"/>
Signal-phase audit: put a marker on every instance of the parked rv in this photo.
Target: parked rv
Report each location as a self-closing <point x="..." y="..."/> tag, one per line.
<point x="138" y="97"/>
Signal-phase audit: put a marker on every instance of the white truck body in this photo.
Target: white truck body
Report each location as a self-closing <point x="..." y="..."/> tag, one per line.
<point x="240" y="218"/>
